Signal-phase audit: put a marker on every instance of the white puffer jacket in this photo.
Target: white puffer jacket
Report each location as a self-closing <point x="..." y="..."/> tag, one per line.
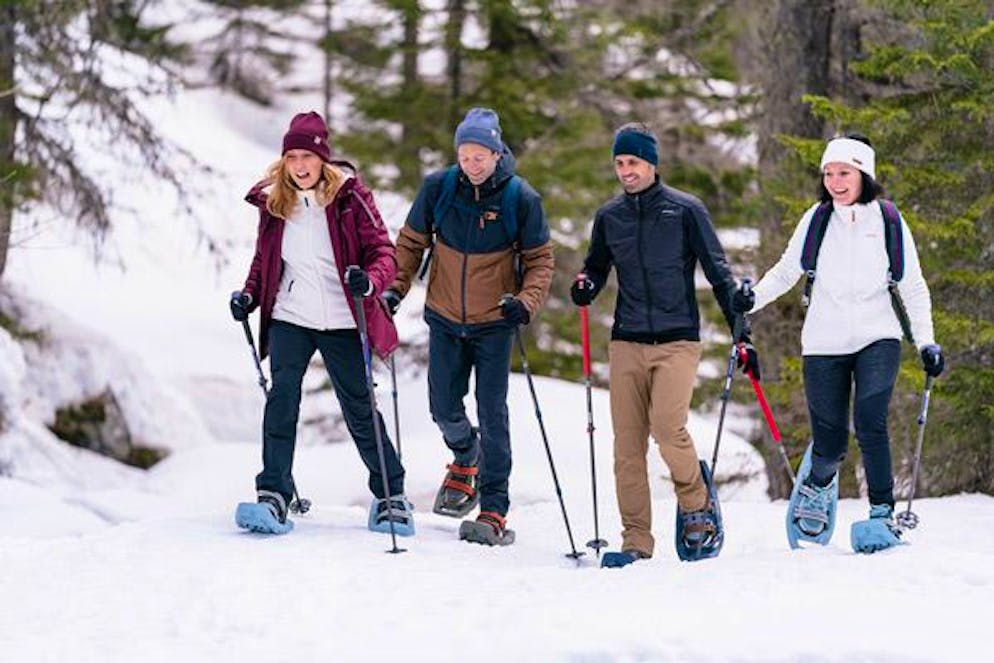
<point x="850" y="304"/>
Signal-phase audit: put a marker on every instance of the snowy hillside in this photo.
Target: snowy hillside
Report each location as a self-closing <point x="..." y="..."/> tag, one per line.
<point x="101" y="562"/>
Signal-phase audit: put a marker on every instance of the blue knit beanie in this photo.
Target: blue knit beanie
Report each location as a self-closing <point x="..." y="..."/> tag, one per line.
<point x="642" y="144"/>
<point x="480" y="126"/>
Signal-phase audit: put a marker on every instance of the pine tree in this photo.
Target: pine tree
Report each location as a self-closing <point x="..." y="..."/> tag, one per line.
<point x="54" y="77"/>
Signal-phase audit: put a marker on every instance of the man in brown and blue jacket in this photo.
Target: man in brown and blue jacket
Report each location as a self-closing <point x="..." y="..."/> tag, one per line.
<point x="488" y="237"/>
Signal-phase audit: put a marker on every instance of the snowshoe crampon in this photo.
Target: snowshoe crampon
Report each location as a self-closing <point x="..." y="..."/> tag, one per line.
<point x="458" y="494"/>
<point x="700" y="534"/>
<point x="617" y="560"/>
<point x="877" y="533"/>
<point x="811" y="510"/>
<point x="400" y="511"/>
<point x="488" y="529"/>
<point x="262" y="517"/>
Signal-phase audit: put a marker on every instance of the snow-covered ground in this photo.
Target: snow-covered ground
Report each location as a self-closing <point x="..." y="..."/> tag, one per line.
<point x="100" y="562"/>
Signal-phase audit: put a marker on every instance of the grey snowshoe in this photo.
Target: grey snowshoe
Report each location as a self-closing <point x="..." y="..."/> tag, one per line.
<point x="458" y="494"/>
<point x="488" y="529"/>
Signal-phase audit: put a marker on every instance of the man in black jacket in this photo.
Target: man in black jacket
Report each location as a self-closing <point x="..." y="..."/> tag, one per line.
<point x="654" y="236"/>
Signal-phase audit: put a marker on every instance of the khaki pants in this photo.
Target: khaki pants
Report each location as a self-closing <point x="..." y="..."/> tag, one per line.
<point x="651" y="388"/>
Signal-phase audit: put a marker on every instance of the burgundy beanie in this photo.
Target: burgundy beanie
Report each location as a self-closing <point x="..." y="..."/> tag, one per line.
<point x="308" y="132"/>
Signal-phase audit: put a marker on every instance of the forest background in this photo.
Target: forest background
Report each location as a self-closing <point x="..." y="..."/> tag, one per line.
<point x="742" y="93"/>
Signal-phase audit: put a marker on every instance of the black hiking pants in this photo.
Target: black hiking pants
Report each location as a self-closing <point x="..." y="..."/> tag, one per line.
<point x="828" y="384"/>
<point x="290" y="349"/>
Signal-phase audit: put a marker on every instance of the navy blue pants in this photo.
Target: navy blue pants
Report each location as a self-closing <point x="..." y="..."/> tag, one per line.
<point x="290" y="350"/>
<point x="828" y="382"/>
<point x="451" y="357"/>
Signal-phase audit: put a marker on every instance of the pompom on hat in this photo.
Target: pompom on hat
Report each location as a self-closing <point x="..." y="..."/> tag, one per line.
<point x="851" y="152"/>
<point x="308" y="132"/>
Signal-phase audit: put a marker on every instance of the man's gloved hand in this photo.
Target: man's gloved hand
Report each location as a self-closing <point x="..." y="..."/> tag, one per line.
<point x="933" y="360"/>
<point x="392" y="300"/>
<point x="743" y="300"/>
<point x="748" y="359"/>
<point x="582" y="290"/>
<point x="514" y="311"/>
<point x="241" y="305"/>
<point x="358" y="281"/>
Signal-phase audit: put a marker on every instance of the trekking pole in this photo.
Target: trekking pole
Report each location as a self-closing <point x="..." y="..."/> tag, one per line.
<point x="907" y="519"/>
<point x="298" y="504"/>
<point x="768" y="414"/>
<point x="729" y="374"/>
<point x="597" y="542"/>
<point x="396" y="411"/>
<point x="367" y="359"/>
<point x="545" y="438"/>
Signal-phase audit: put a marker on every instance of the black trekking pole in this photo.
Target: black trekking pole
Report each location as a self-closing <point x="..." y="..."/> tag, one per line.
<point x="597" y="542"/>
<point x="396" y="410"/>
<point x="367" y="359"/>
<point x="729" y="374"/>
<point x="907" y="519"/>
<point x="545" y="438"/>
<point x="298" y="504"/>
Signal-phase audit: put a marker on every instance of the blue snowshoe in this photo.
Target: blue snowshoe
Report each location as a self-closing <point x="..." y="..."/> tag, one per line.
<point x="700" y="534"/>
<point x="266" y="516"/>
<point x="878" y="533"/>
<point x="617" y="560"/>
<point x="400" y="511"/>
<point x="811" y="511"/>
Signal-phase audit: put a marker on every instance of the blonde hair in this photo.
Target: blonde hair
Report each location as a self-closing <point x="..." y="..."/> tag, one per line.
<point x="283" y="196"/>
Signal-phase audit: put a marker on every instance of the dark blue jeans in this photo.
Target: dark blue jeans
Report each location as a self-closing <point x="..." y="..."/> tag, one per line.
<point x="290" y="350"/>
<point x="828" y="382"/>
<point x="452" y="355"/>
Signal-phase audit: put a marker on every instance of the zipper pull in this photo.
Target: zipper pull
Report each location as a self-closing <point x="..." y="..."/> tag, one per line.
<point x="481" y="222"/>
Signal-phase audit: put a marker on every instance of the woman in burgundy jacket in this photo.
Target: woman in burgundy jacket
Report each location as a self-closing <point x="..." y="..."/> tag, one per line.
<point x="321" y="246"/>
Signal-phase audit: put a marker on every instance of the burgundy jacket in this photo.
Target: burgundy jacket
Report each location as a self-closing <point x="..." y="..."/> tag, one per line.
<point x="358" y="237"/>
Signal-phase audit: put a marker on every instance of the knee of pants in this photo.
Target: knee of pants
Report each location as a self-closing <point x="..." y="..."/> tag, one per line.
<point x="870" y="421"/>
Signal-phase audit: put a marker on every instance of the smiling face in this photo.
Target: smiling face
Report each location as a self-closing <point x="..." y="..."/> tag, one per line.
<point x="304" y="167"/>
<point x="634" y="174"/>
<point x="477" y="161"/>
<point x="843" y="182"/>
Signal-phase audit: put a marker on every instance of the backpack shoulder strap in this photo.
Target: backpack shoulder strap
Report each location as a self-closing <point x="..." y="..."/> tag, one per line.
<point x="509" y="209"/>
<point x="894" y="237"/>
<point x="812" y="245"/>
<point x="446" y="194"/>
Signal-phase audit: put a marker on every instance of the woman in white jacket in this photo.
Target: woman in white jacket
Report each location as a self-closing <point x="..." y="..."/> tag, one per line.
<point x="851" y="338"/>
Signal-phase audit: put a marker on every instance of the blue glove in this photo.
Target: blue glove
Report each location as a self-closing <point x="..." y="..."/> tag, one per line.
<point x="358" y="281"/>
<point x="241" y="305"/>
<point x="933" y="360"/>
<point x="392" y="299"/>
<point x="514" y="311"/>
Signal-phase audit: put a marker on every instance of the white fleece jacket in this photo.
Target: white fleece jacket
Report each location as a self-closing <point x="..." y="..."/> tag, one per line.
<point x="850" y="305"/>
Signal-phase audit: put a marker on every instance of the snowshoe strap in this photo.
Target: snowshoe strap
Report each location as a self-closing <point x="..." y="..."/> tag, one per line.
<point x="494" y="519"/>
<point x="699" y="523"/>
<point x="463" y="472"/>
<point x="470" y="470"/>
<point x="819" y="510"/>
<point x="397" y="511"/>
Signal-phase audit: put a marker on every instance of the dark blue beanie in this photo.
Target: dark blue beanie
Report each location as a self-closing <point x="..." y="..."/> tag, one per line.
<point x="480" y="126"/>
<point x="637" y="143"/>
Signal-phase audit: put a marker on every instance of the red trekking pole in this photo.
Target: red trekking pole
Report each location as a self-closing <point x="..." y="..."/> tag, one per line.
<point x="597" y="542"/>
<point x="774" y="431"/>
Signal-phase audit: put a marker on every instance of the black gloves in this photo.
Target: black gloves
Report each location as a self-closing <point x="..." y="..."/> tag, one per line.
<point x="748" y="359"/>
<point x="582" y="290"/>
<point x="358" y="281"/>
<point x="932" y="360"/>
<point x="514" y="311"/>
<point x="392" y="300"/>
<point x="241" y="305"/>
<point x="743" y="300"/>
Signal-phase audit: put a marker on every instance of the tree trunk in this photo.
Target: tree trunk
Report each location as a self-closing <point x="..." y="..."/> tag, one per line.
<point x="328" y="63"/>
<point x="8" y="127"/>
<point x="409" y="161"/>
<point x="453" y="50"/>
